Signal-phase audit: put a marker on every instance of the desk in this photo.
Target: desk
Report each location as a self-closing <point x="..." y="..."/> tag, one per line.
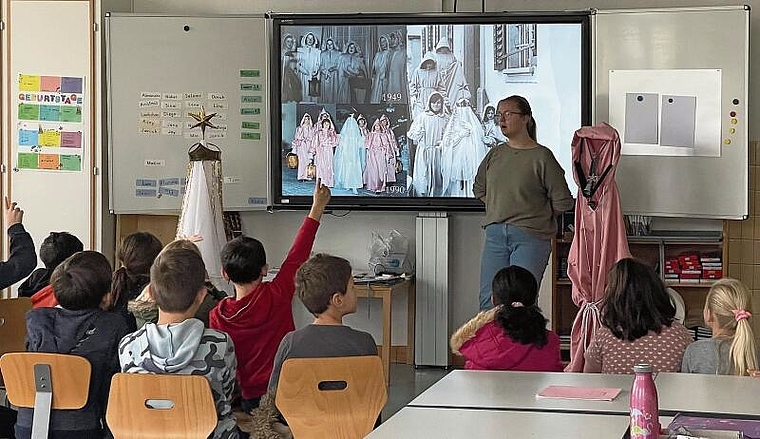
<point x="387" y="292"/>
<point x="698" y="394"/>
<point x="439" y="423"/>
<point x="502" y="390"/>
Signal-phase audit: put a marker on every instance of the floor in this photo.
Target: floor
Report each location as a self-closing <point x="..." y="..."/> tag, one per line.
<point x="406" y="383"/>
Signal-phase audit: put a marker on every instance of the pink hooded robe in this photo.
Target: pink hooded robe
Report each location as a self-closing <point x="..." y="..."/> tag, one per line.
<point x="600" y="238"/>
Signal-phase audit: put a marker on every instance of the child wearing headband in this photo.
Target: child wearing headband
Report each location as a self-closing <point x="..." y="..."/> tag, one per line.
<point x="513" y="335"/>
<point x="732" y="349"/>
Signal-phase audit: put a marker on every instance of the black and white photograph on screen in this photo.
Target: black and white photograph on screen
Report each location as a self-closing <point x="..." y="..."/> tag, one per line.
<point x="432" y="91"/>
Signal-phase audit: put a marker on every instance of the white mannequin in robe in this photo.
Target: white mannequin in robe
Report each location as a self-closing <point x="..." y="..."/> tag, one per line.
<point x="201" y="213"/>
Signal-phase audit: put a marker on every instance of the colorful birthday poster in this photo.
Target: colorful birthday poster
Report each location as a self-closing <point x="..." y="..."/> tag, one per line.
<point x="50" y="126"/>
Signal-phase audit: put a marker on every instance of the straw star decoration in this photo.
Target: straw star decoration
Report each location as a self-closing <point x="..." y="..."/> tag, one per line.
<point x="204" y="120"/>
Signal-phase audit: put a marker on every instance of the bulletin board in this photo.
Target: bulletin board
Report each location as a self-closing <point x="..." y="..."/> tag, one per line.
<point x="674" y="82"/>
<point x="159" y="70"/>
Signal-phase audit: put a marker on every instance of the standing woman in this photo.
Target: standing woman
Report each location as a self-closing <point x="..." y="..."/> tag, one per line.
<point x="328" y="68"/>
<point x="524" y="189"/>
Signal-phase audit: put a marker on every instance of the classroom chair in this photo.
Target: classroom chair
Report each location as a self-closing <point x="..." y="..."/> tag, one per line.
<point x="338" y="397"/>
<point x="149" y="406"/>
<point x="45" y="382"/>
<point x="13" y="324"/>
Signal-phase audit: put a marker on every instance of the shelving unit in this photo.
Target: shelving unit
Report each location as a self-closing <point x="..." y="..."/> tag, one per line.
<point x="655" y="249"/>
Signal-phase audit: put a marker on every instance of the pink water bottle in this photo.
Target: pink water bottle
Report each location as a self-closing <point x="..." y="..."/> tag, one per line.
<point x="645" y="416"/>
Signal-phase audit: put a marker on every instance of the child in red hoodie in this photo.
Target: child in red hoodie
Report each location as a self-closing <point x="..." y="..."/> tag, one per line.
<point x="513" y="335"/>
<point x="261" y="313"/>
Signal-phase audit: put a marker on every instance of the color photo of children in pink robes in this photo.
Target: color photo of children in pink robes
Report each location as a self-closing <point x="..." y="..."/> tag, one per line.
<point x="302" y="144"/>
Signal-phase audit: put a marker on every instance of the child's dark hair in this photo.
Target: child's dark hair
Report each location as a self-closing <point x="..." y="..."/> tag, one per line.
<point x="319" y="278"/>
<point x="516" y="290"/>
<point x="243" y="258"/>
<point x="136" y="254"/>
<point x="57" y="247"/>
<point x="81" y="281"/>
<point x="175" y="279"/>
<point x="636" y="301"/>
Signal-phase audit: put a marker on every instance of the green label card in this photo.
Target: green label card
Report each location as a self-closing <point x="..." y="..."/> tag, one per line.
<point x="28" y="112"/>
<point x="250" y="73"/>
<point x="27" y="160"/>
<point x="250" y="136"/>
<point x="250" y="87"/>
<point x="251" y="125"/>
<point x="71" y="163"/>
<point x="250" y="99"/>
<point x="250" y="111"/>
<point x="71" y="114"/>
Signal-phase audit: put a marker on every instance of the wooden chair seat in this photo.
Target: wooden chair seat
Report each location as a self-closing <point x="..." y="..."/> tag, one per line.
<point x="45" y="382"/>
<point x="339" y="397"/>
<point x="150" y="406"/>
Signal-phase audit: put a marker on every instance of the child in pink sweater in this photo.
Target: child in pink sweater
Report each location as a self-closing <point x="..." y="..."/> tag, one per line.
<point x="513" y="335"/>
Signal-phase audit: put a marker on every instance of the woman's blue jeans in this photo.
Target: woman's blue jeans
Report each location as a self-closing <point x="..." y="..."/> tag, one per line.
<point x="508" y="245"/>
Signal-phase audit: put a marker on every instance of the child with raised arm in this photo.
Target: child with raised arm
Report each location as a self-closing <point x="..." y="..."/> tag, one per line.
<point x="513" y="335"/>
<point x="22" y="259"/>
<point x="178" y="343"/>
<point x="55" y="249"/>
<point x="732" y="349"/>
<point x="261" y="313"/>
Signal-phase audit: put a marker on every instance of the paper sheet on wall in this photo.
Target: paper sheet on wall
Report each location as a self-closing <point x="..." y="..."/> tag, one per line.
<point x="667" y="112"/>
<point x="163" y="113"/>
<point x="49" y="133"/>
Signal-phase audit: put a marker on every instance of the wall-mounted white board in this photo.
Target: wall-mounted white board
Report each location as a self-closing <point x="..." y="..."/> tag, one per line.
<point x="679" y="41"/>
<point x="159" y="69"/>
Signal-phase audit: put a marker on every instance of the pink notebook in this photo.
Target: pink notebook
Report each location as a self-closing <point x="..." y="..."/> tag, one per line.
<point x="589" y="393"/>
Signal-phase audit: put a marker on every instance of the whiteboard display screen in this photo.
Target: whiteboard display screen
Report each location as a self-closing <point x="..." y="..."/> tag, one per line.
<point x="398" y="110"/>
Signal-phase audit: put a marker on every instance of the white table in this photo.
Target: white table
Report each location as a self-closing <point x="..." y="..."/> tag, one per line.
<point x="500" y="390"/>
<point x="441" y="423"/>
<point x="697" y="394"/>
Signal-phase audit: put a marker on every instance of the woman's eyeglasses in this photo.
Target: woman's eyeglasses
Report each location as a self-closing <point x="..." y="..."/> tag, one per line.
<point x="506" y="114"/>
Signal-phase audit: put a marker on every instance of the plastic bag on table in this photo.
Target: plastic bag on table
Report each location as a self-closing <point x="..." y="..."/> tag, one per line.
<point x="389" y="253"/>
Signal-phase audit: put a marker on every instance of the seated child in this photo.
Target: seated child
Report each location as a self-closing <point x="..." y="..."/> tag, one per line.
<point x="54" y="249"/>
<point x="79" y="327"/>
<point x="136" y="254"/>
<point x="144" y="308"/>
<point x="513" y="335"/>
<point x="325" y="286"/>
<point x="732" y="349"/>
<point x="638" y="324"/>
<point x="179" y="343"/>
<point x="261" y="313"/>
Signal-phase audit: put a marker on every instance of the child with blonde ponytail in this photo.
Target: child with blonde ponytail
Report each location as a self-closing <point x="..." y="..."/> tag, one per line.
<point x="732" y="349"/>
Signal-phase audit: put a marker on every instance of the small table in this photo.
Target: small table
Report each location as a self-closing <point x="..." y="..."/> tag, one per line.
<point x="387" y="291"/>
<point x="442" y="423"/>
<point x="710" y="395"/>
<point x="504" y="390"/>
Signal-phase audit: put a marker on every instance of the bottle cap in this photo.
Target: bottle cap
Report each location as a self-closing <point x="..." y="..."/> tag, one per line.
<point x="642" y="368"/>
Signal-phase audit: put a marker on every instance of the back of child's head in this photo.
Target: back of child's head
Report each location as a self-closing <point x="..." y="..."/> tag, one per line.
<point x="57" y="247"/>
<point x="183" y="244"/>
<point x="515" y="289"/>
<point x="82" y="281"/>
<point x="243" y="258"/>
<point x="636" y="301"/>
<point x="319" y="278"/>
<point x="176" y="277"/>
<point x="136" y="254"/>
<point x="730" y="302"/>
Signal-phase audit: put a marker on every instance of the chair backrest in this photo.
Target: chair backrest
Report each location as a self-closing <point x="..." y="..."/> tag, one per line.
<point x="13" y="324"/>
<point x="150" y="406"/>
<point x="338" y="397"/>
<point x="69" y="375"/>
